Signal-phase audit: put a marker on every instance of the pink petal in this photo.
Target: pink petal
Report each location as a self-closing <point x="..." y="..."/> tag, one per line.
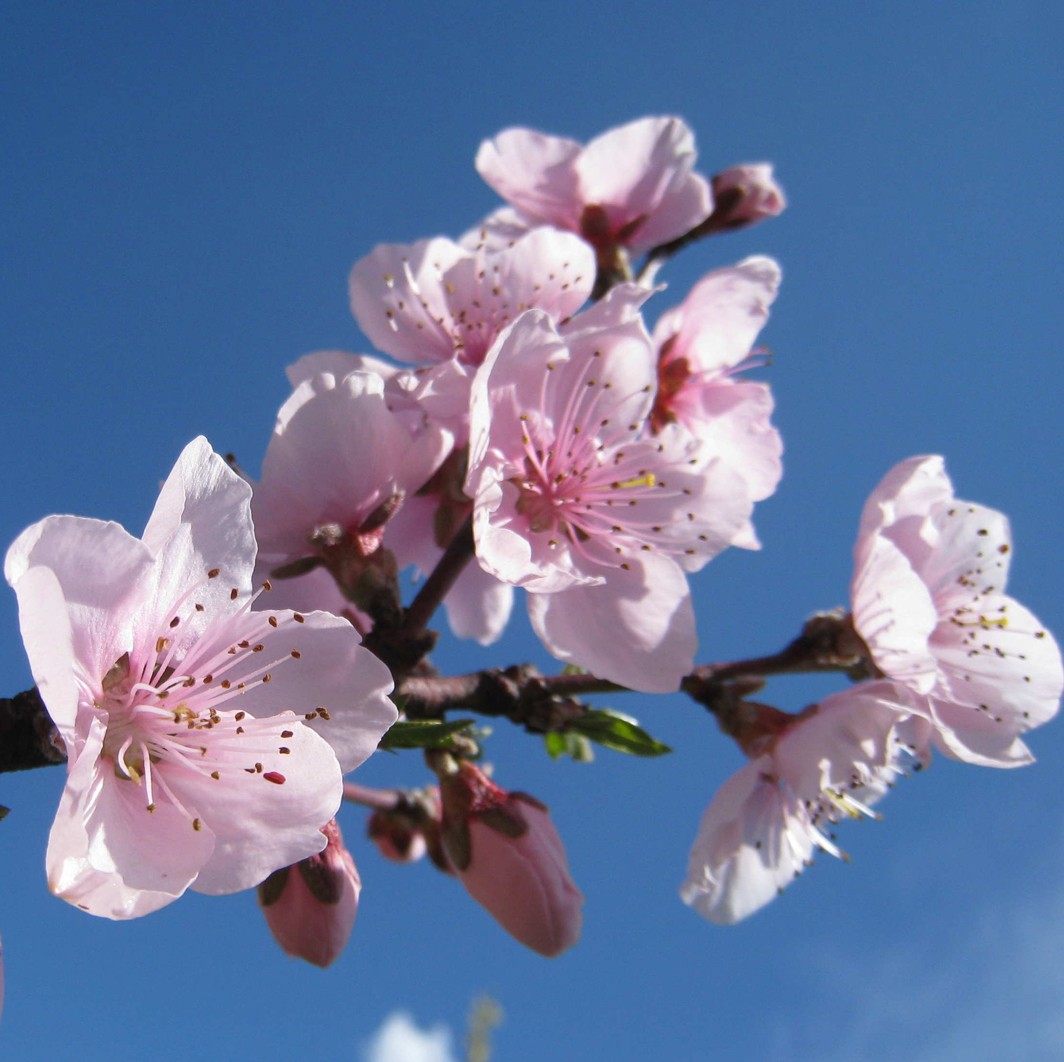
<point x="499" y="230"/>
<point x="338" y="453"/>
<point x="399" y="299"/>
<point x="717" y="323"/>
<point x="83" y="867"/>
<point x="202" y="493"/>
<point x="264" y="819"/>
<point x="533" y="171"/>
<point x="754" y="840"/>
<point x="894" y="613"/>
<point x="910" y="489"/>
<point x="637" y="629"/>
<point x="998" y="661"/>
<point x="643" y="169"/>
<point x="314" y="662"/>
<point x="90" y="603"/>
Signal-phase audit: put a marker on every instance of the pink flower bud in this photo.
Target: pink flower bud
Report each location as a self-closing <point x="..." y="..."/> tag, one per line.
<point x="396" y="838"/>
<point x="745" y="195"/>
<point x="510" y="858"/>
<point x="310" y="907"/>
<point x="411" y="829"/>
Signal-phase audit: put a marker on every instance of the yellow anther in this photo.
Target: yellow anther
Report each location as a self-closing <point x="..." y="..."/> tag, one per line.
<point x="645" y="480"/>
<point x="983" y="622"/>
<point x="848" y="806"/>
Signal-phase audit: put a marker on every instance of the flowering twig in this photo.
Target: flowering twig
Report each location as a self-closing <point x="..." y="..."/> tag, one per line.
<point x="542" y="704"/>
<point x="742" y="196"/>
<point x="657" y="255"/>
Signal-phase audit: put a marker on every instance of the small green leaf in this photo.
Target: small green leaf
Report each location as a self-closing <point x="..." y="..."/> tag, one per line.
<point x="569" y="744"/>
<point x="424" y="734"/>
<point x="618" y="732"/>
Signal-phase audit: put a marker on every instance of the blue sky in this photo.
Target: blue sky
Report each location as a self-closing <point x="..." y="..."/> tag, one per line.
<point x="185" y="188"/>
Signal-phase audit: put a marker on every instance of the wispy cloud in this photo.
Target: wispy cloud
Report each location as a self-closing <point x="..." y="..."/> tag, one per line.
<point x="993" y="993"/>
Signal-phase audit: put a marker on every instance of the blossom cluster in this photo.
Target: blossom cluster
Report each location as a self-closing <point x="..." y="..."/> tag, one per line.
<point x="955" y="665"/>
<point x="523" y="422"/>
<point x="601" y="463"/>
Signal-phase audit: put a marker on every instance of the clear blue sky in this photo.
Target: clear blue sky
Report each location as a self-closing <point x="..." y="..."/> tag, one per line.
<point x="184" y="189"/>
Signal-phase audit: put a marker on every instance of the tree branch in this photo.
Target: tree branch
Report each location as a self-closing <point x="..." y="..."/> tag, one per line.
<point x="403" y="646"/>
<point x="28" y="737"/>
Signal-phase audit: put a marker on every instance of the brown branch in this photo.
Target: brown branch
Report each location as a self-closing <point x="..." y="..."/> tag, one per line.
<point x="456" y="556"/>
<point x="828" y="642"/>
<point x="28" y="737"/>
<point x="542" y="704"/>
<point x="404" y="645"/>
<point x="547" y="703"/>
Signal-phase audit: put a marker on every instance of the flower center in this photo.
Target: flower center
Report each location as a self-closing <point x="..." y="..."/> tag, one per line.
<point x="162" y="703"/>
<point x="543" y="498"/>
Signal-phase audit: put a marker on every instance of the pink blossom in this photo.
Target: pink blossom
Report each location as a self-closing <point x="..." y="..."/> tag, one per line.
<point x="434" y="300"/>
<point x="311" y="907"/>
<point x="929" y="603"/>
<point x="205" y="741"/>
<point x="576" y="502"/>
<point x="764" y="825"/>
<point x="702" y="346"/>
<point x="510" y="858"/>
<point x="441" y="306"/>
<point x="340" y="464"/>
<point x="632" y="186"/>
<point x="746" y="194"/>
<point x="346" y="484"/>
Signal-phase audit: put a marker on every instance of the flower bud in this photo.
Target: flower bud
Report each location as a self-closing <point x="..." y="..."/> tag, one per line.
<point x="396" y="837"/>
<point x="510" y="858"/>
<point x="745" y="195"/>
<point x="411" y="829"/>
<point x="310" y="907"/>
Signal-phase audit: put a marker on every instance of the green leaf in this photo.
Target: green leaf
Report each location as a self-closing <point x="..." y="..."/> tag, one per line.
<point x="618" y="732"/>
<point x="576" y="746"/>
<point x="424" y="734"/>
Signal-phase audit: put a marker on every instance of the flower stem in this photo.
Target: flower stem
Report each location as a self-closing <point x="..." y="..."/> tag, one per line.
<point x="456" y="556"/>
<point x="384" y="799"/>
